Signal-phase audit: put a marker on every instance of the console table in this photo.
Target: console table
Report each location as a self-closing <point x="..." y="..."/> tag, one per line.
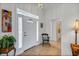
<point x="75" y="49"/>
<point x="7" y="50"/>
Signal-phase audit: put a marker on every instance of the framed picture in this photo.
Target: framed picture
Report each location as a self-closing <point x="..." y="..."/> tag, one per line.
<point x="41" y="25"/>
<point x="6" y="21"/>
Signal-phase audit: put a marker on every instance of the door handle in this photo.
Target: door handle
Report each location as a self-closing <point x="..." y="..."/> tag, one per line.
<point x="25" y="35"/>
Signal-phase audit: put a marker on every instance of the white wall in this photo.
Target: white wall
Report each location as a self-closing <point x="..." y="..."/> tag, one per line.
<point x="51" y="17"/>
<point x="3" y="6"/>
<point x="32" y="8"/>
<point x="67" y="13"/>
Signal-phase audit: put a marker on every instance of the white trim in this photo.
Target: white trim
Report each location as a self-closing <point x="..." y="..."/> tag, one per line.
<point x="22" y="12"/>
<point x="20" y="32"/>
<point x="37" y="31"/>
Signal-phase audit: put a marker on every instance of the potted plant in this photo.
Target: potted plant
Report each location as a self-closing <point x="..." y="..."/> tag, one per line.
<point x="11" y="40"/>
<point x="7" y="41"/>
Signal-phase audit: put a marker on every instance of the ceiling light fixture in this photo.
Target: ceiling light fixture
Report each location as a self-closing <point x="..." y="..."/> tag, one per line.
<point x="40" y="5"/>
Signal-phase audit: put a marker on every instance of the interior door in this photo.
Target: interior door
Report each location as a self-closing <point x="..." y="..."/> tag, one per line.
<point x="58" y="30"/>
<point x="29" y="32"/>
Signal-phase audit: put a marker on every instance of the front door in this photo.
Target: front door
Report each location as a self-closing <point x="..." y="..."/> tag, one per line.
<point x="29" y="32"/>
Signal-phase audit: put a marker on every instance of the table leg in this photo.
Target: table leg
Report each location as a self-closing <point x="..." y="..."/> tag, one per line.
<point x="7" y="54"/>
<point x="14" y="51"/>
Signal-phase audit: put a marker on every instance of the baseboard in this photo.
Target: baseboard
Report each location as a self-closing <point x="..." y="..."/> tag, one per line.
<point x="19" y="52"/>
<point x="28" y="48"/>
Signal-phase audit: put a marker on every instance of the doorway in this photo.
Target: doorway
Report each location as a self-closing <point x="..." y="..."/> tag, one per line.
<point x="56" y="33"/>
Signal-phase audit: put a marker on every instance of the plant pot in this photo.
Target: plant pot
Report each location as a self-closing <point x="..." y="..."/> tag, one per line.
<point x="6" y="49"/>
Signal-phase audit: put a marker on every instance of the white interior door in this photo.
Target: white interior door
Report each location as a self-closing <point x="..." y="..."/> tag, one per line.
<point x="29" y="32"/>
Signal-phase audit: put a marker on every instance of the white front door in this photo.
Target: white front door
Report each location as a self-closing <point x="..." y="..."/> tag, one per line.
<point x="29" y="32"/>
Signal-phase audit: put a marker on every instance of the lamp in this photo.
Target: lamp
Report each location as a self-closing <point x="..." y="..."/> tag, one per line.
<point x="76" y="28"/>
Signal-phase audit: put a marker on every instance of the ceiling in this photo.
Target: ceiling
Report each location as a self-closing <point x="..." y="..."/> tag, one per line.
<point x="46" y="6"/>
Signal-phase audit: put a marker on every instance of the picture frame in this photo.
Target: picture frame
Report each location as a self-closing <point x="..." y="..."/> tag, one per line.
<point x="6" y="21"/>
<point x="41" y="25"/>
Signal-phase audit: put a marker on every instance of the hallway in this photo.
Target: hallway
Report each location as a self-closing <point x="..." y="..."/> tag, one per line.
<point x="52" y="49"/>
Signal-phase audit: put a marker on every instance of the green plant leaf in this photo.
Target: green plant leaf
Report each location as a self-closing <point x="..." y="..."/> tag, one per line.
<point x="7" y="41"/>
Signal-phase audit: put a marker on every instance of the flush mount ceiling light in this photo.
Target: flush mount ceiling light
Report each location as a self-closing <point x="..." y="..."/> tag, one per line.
<point x="40" y="5"/>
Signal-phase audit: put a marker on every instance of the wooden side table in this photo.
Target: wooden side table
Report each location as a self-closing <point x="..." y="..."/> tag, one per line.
<point x="7" y="50"/>
<point x="75" y="49"/>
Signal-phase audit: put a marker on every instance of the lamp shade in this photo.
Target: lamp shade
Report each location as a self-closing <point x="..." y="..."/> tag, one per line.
<point x="76" y="25"/>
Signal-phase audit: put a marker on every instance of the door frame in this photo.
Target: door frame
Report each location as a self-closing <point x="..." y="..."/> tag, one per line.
<point x="24" y="13"/>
